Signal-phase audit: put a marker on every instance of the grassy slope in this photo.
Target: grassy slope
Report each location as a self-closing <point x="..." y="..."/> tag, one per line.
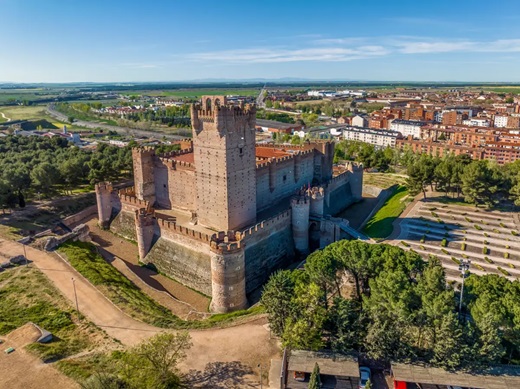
<point x="28" y="295"/>
<point x="126" y="295"/>
<point x="380" y="225"/>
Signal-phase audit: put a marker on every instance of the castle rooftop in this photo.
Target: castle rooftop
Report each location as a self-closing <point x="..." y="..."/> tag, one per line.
<point x="188" y="157"/>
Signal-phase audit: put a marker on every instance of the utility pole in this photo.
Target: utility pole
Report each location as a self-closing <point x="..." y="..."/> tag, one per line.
<point x="464" y="268"/>
<point x="25" y="255"/>
<point x="75" y="296"/>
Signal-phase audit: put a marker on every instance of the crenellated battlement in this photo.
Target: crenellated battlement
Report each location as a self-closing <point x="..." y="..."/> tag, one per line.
<point x="104" y="187"/>
<point x="276" y="160"/>
<point x="284" y="216"/>
<point x="226" y="242"/>
<point x="175" y="153"/>
<point x="174" y="227"/>
<point x="299" y="200"/>
<point x="134" y="201"/>
<point x="144" y="150"/>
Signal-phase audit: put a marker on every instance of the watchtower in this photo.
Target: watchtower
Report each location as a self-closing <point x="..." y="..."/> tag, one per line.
<point x="143" y="158"/>
<point x="225" y="163"/>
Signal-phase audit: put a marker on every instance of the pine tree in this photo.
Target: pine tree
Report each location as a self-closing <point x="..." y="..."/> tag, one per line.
<point x="315" y="381"/>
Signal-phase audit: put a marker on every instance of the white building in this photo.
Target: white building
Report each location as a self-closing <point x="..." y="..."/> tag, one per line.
<point x="379" y="138"/>
<point x="479" y="122"/>
<point x="500" y="121"/>
<point x="407" y="127"/>
<point x="359" y="121"/>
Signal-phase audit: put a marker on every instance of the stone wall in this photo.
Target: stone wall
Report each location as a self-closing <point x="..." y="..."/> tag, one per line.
<point x="269" y="247"/>
<point x="184" y="259"/>
<point x="338" y="194"/>
<point x="124" y="225"/>
<point x="175" y="185"/>
<point x="282" y="177"/>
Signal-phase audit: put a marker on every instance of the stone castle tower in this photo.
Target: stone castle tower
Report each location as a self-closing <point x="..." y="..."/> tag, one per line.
<point x="225" y="163"/>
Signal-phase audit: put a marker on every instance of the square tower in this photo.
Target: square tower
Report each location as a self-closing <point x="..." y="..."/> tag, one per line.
<point x="225" y="163"/>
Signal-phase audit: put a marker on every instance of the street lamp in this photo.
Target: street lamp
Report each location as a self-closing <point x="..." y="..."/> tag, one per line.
<point x="75" y="296"/>
<point x="464" y="270"/>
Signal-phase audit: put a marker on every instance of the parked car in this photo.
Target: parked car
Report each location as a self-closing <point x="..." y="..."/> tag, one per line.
<point x="299" y="376"/>
<point x="365" y="375"/>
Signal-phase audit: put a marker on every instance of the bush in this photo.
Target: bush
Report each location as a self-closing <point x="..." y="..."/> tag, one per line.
<point x="514" y="233"/>
<point x="503" y="271"/>
<point x="506" y="255"/>
<point x="405" y="244"/>
<point x="444" y="242"/>
<point x="423" y="239"/>
<point x="486" y="234"/>
<point x="445" y="251"/>
<point x="463" y="246"/>
<point x="435" y="215"/>
<point x="479" y="267"/>
<point x="488" y="260"/>
<point x="511" y="265"/>
<point x="464" y="256"/>
<point x="478" y="227"/>
<point x="455" y="260"/>
<point x="485" y="250"/>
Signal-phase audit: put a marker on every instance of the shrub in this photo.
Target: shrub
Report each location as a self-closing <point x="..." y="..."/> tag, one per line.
<point x="423" y="239"/>
<point x="486" y="235"/>
<point x="478" y="227"/>
<point x="465" y="256"/>
<point x="496" y="231"/>
<point x="463" y="246"/>
<point x="486" y="242"/>
<point x="507" y="246"/>
<point x="434" y="214"/>
<point x="506" y="255"/>
<point x="479" y="267"/>
<point x="502" y="225"/>
<point x="432" y="209"/>
<point x="468" y="220"/>
<point x="422" y="247"/>
<point x="503" y="271"/>
<point x="488" y="260"/>
<point x="455" y="260"/>
<point x="485" y="250"/>
<point x="445" y="251"/>
<point x="444" y="242"/>
<point x="511" y="265"/>
<point x="405" y="244"/>
<point x="514" y="233"/>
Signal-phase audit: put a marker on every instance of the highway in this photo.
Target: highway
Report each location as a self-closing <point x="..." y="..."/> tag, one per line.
<point x="107" y="127"/>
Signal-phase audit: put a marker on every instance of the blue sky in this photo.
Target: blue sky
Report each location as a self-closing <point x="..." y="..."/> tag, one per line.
<point x="171" y="40"/>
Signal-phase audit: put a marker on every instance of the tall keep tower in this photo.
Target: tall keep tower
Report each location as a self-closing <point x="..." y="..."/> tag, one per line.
<point x="225" y="163"/>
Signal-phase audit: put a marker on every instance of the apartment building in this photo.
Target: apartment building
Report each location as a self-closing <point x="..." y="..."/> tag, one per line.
<point x="379" y="138"/>
<point x="408" y="127"/>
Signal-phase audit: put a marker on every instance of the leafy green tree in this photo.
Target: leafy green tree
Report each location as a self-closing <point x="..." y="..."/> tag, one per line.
<point x="277" y="300"/>
<point x="153" y="364"/>
<point x="315" y="380"/>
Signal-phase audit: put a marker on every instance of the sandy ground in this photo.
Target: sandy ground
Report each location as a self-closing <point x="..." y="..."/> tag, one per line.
<point x="20" y="369"/>
<point x="219" y="358"/>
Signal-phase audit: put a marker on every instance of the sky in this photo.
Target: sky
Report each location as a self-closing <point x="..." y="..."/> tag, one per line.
<point x="173" y="40"/>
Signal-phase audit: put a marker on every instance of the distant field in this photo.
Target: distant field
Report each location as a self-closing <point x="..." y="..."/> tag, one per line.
<point x="26" y="94"/>
<point x="502" y="89"/>
<point x="32" y="112"/>
<point x="193" y="93"/>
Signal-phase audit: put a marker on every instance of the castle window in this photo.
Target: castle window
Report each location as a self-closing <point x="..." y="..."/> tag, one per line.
<point x="284" y="178"/>
<point x="241" y="150"/>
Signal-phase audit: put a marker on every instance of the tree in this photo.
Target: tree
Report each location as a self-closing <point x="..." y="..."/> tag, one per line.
<point x="480" y="183"/>
<point x="277" y="300"/>
<point x="448" y="350"/>
<point x="315" y="380"/>
<point x="490" y="341"/>
<point x="153" y="364"/>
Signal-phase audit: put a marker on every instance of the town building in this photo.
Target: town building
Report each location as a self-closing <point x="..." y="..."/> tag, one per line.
<point x="274" y="126"/>
<point x="223" y="213"/>
<point x="379" y="138"/>
<point x="408" y="127"/>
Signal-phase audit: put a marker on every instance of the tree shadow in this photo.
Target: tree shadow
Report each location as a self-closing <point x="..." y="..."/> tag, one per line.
<point x="220" y="375"/>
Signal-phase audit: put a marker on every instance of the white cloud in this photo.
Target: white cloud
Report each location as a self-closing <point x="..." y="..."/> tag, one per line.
<point x="355" y="48"/>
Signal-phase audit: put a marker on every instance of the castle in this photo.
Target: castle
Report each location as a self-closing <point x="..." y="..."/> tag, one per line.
<point x="223" y="213"/>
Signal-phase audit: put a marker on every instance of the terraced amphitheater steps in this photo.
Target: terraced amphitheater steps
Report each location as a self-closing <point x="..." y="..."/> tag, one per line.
<point x="449" y="263"/>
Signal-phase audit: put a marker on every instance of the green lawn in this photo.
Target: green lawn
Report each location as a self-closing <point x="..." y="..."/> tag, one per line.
<point x="28" y="296"/>
<point x="380" y="225"/>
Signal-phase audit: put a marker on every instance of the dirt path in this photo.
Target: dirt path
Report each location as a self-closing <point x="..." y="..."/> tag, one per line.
<point x="219" y="358"/>
<point x="5" y="117"/>
<point x="20" y="369"/>
<point x="92" y="303"/>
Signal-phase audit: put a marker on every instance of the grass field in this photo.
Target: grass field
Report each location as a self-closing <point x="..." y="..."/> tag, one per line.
<point x="32" y="112"/>
<point x="26" y="295"/>
<point x="383" y="180"/>
<point x="193" y="93"/>
<point x="380" y="225"/>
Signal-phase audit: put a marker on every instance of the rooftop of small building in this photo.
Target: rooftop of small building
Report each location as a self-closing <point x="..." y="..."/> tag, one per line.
<point x="275" y="124"/>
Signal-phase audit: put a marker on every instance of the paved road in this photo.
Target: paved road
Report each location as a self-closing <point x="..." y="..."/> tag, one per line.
<point x="122" y="130"/>
<point x="92" y="303"/>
